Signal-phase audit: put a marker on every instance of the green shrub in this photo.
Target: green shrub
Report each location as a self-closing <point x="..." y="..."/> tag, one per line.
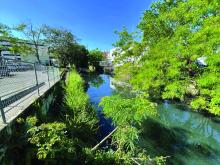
<point x="51" y="140"/>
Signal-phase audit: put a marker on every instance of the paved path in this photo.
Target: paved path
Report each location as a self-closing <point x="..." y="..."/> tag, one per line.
<point x="19" y="82"/>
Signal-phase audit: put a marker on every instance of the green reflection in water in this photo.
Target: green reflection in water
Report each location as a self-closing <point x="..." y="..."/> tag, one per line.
<point x="188" y="137"/>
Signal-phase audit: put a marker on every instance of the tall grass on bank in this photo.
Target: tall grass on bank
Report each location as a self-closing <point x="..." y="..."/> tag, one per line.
<point x="75" y="98"/>
<point x="65" y="139"/>
<point x="81" y="116"/>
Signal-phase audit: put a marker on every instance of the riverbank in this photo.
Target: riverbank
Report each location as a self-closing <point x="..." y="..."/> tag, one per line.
<point x="115" y="84"/>
<point x="57" y="129"/>
<point x="186" y="136"/>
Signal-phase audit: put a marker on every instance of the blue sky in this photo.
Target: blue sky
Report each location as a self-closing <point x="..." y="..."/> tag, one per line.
<point x="92" y="21"/>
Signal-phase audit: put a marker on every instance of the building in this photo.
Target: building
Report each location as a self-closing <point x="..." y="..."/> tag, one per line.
<point x="30" y="57"/>
<point x="111" y="55"/>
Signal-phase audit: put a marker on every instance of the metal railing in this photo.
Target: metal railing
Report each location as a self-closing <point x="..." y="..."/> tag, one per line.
<point x="19" y="78"/>
<point x="105" y="63"/>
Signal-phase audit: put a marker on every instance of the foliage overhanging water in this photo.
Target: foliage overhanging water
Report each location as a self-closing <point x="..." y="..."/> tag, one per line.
<point x="187" y="137"/>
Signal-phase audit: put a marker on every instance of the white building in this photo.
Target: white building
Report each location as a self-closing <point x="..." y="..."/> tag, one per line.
<point x="111" y="56"/>
<point x="30" y="57"/>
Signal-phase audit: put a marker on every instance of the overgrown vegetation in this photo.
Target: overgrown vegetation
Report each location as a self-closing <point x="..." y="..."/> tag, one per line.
<point x="71" y="136"/>
<point x="127" y="114"/>
<point x="65" y="140"/>
<point x="166" y="62"/>
<point x="163" y="64"/>
<point x="81" y="117"/>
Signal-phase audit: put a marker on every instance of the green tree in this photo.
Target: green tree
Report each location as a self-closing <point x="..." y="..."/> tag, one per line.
<point x="33" y="35"/>
<point x="95" y="56"/>
<point x="18" y="46"/>
<point x="79" y="56"/>
<point x="127" y="114"/>
<point x="63" y="45"/>
<point x="175" y="34"/>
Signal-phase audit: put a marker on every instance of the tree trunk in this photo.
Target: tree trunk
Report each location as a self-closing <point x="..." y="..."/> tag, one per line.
<point x="37" y="54"/>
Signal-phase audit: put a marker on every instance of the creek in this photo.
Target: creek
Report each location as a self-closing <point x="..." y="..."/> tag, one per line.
<point x="188" y="137"/>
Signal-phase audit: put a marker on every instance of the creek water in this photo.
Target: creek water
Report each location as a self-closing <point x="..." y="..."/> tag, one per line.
<point x="189" y="138"/>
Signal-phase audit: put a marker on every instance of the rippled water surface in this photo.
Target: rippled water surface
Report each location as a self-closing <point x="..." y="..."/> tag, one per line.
<point x="188" y="138"/>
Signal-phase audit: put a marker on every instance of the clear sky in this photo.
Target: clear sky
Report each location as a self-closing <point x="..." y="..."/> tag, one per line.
<point x="92" y="21"/>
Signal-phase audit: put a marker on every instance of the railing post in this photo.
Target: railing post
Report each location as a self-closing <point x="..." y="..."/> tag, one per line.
<point x="48" y="77"/>
<point x="2" y="111"/>
<point x="35" y="70"/>
<point x="53" y="75"/>
<point x="58" y="73"/>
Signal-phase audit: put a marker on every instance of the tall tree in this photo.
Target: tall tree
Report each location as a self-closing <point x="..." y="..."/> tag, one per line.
<point x="63" y="45"/>
<point x="34" y="35"/>
<point x="175" y="35"/>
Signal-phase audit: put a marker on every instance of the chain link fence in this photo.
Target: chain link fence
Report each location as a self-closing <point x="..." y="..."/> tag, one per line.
<point x="19" y="78"/>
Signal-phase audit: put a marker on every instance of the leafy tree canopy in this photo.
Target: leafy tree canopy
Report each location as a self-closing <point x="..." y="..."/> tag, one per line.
<point x="17" y="45"/>
<point x="95" y="56"/>
<point x="175" y="34"/>
<point x="63" y="45"/>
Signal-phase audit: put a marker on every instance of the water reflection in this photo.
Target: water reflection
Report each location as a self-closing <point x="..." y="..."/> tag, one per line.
<point x="180" y="116"/>
<point x="94" y="80"/>
<point x="96" y="93"/>
<point x="188" y="137"/>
